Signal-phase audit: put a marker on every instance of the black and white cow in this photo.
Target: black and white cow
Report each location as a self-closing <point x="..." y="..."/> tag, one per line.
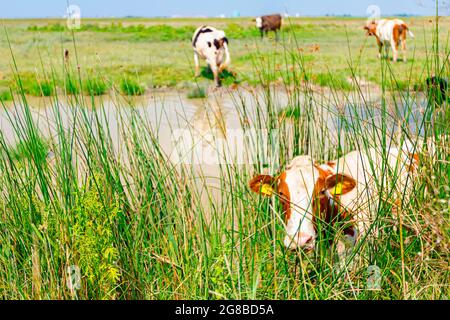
<point x="211" y="45"/>
<point x="269" y="23"/>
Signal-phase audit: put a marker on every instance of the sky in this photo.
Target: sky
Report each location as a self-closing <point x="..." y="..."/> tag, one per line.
<point x="195" y="8"/>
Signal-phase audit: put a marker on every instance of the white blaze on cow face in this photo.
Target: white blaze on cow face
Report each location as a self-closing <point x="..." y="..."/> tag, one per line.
<point x="259" y="22"/>
<point x="308" y="185"/>
<point x="301" y="176"/>
<point x="295" y="188"/>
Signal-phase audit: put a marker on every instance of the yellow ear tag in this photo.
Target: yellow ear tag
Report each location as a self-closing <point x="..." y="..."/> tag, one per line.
<point x="337" y="190"/>
<point x="267" y="190"/>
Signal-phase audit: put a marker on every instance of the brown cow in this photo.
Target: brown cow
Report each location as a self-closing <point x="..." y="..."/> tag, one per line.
<point x="269" y="23"/>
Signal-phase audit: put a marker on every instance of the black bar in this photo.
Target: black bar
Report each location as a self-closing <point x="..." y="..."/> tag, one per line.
<point x="229" y="309"/>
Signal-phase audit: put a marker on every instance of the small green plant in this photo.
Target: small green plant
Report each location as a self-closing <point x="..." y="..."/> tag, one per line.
<point x="131" y="87"/>
<point x="39" y="88"/>
<point x="5" y="95"/>
<point x="93" y="234"/>
<point x="227" y="77"/>
<point x="335" y="81"/>
<point x="71" y="86"/>
<point x="46" y="89"/>
<point x="401" y="85"/>
<point x="197" y="93"/>
<point x="95" y="87"/>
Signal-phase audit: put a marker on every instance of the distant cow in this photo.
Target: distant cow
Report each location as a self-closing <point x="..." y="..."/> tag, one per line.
<point x="269" y="23"/>
<point x="389" y="33"/>
<point x="211" y="44"/>
<point x="343" y="191"/>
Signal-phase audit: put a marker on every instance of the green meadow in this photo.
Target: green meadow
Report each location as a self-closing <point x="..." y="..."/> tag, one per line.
<point x="157" y="53"/>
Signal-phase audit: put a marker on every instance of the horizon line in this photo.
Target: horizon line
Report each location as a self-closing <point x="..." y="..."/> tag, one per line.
<point x="175" y="16"/>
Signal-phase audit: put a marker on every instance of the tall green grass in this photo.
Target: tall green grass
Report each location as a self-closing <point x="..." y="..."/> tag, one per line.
<point x="141" y="227"/>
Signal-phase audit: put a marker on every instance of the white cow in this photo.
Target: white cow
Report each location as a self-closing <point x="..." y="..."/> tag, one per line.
<point x="389" y="33"/>
<point x="211" y="44"/>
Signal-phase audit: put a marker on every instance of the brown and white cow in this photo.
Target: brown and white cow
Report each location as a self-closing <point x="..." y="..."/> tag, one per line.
<point x="269" y="23"/>
<point x="389" y="32"/>
<point x="211" y="44"/>
<point x="344" y="190"/>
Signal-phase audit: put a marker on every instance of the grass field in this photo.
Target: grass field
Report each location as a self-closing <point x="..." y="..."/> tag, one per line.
<point x="142" y="227"/>
<point x="158" y="52"/>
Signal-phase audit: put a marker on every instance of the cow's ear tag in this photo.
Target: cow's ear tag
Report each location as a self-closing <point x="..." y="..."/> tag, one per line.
<point x="267" y="190"/>
<point x="337" y="190"/>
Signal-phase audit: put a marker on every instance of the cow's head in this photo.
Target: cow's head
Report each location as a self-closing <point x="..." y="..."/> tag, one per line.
<point x="308" y="193"/>
<point x="371" y="28"/>
<point x="259" y="22"/>
<point x="219" y="43"/>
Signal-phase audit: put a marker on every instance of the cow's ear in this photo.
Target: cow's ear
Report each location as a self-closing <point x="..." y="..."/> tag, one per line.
<point x="339" y="184"/>
<point x="414" y="159"/>
<point x="263" y="184"/>
<point x="223" y="40"/>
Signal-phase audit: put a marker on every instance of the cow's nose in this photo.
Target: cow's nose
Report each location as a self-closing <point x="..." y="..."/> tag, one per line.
<point x="289" y="243"/>
<point x="304" y="239"/>
<point x="300" y="240"/>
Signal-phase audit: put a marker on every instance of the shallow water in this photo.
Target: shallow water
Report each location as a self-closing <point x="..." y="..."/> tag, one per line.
<point x="205" y="134"/>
